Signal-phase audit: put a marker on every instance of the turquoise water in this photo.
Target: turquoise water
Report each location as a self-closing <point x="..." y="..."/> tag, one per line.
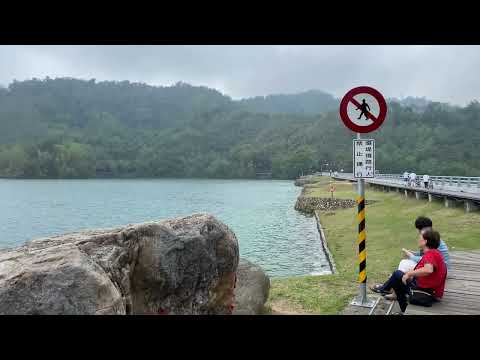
<point x="260" y="212"/>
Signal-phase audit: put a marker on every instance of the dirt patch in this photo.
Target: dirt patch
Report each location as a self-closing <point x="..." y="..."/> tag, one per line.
<point x="282" y="307"/>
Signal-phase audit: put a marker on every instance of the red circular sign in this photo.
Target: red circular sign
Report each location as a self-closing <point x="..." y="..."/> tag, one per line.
<point x="364" y="108"/>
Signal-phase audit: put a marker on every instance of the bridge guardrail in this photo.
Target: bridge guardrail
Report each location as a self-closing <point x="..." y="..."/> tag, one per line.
<point x="470" y="183"/>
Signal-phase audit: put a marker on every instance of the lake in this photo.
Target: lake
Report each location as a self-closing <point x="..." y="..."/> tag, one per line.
<point x="260" y="212"/>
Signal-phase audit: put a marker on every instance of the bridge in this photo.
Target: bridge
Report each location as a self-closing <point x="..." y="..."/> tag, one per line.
<point x="452" y="190"/>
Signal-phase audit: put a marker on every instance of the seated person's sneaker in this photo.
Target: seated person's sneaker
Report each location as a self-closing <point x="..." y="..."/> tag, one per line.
<point x="378" y="288"/>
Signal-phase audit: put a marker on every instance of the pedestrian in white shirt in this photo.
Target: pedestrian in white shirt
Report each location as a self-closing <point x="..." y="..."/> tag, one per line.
<point x="426" y="180"/>
<point x="405" y="177"/>
<point x="412" y="177"/>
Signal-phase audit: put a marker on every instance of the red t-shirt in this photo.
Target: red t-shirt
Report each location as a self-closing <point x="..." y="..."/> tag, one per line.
<point x="436" y="280"/>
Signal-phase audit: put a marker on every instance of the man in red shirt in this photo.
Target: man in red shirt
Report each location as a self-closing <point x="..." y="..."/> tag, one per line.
<point x="429" y="275"/>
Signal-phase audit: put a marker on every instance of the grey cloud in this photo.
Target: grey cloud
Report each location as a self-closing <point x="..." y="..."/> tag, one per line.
<point x="443" y="73"/>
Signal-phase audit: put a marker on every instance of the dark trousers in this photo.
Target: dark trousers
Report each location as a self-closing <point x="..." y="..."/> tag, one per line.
<point x="401" y="290"/>
<point x="426" y="184"/>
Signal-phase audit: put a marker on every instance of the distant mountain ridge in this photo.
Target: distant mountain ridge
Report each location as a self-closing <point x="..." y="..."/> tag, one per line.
<point x="311" y="102"/>
<point x="415" y="103"/>
<point x="314" y="102"/>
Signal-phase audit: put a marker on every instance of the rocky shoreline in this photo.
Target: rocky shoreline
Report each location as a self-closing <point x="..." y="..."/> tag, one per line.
<point x="308" y="204"/>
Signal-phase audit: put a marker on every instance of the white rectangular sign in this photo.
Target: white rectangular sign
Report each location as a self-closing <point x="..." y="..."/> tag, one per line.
<point x="364" y="158"/>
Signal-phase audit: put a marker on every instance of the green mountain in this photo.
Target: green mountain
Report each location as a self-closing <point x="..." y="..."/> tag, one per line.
<point x="69" y="128"/>
<point x="311" y="102"/>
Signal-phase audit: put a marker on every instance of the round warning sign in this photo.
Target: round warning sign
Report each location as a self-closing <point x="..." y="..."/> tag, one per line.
<point x="363" y="109"/>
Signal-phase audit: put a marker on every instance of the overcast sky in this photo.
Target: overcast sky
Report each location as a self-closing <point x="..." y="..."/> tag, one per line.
<point x="441" y="73"/>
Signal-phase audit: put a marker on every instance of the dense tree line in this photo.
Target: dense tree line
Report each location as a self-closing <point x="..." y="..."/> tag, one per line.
<point x="311" y="102"/>
<point x="69" y="128"/>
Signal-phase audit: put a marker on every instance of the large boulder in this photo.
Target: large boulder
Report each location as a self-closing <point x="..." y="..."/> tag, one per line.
<point x="180" y="266"/>
<point x="251" y="292"/>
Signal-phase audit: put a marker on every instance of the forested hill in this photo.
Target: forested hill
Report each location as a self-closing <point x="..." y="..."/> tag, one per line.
<point x="311" y="102"/>
<point x="75" y="128"/>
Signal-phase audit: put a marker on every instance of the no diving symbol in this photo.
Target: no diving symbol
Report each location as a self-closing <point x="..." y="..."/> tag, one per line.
<point x="363" y="109"/>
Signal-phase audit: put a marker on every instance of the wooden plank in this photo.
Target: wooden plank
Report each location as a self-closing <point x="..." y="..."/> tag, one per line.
<point x="473" y="271"/>
<point x="462" y="289"/>
<point x="458" y="303"/>
<point x="463" y="268"/>
<point x="420" y="311"/>
<point x="464" y="276"/>
<point x="465" y="255"/>
<point x="463" y="284"/>
<point x="471" y="275"/>
<point x="465" y="265"/>
<point x="465" y="260"/>
<point x="458" y="294"/>
<point x="445" y="310"/>
<point x="460" y="277"/>
<point x="449" y="310"/>
<point x="454" y="284"/>
<point x="460" y="300"/>
<point x="463" y="292"/>
<point x="468" y="252"/>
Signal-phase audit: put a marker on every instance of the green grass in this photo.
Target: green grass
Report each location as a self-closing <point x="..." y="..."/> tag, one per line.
<point x="389" y="227"/>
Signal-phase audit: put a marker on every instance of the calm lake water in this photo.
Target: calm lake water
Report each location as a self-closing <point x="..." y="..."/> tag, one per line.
<point x="260" y="212"/>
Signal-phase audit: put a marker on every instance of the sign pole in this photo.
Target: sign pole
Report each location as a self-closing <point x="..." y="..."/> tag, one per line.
<point x="373" y="108"/>
<point x="362" y="299"/>
<point x="362" y="274"/>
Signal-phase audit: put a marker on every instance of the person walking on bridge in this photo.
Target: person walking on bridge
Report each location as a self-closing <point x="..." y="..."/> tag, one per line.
<point x="413" y="178"/>
<point x="405" y="177"/>
<point x="426" y="180"/>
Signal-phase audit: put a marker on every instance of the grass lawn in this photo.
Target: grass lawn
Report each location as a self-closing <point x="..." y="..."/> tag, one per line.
<point x="389" y="228"/>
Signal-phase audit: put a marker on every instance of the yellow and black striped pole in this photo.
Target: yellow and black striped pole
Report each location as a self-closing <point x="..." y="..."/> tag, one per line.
<point x="362" y="252"/>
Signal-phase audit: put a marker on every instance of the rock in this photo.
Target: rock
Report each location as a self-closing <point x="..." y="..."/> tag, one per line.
<point x="180" y="266"/>
<point x="308" y="204"/>
<point x="251" y="292"/>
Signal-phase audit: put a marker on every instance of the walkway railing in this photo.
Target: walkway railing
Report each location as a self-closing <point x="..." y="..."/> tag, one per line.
<point x="452" y="183"/>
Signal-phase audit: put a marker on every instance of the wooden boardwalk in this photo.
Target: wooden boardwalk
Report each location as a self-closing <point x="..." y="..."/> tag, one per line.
<point x="462" y="289"/>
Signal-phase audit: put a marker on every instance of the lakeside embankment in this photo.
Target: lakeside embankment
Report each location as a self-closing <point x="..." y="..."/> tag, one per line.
<point x="389" y="227"/>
